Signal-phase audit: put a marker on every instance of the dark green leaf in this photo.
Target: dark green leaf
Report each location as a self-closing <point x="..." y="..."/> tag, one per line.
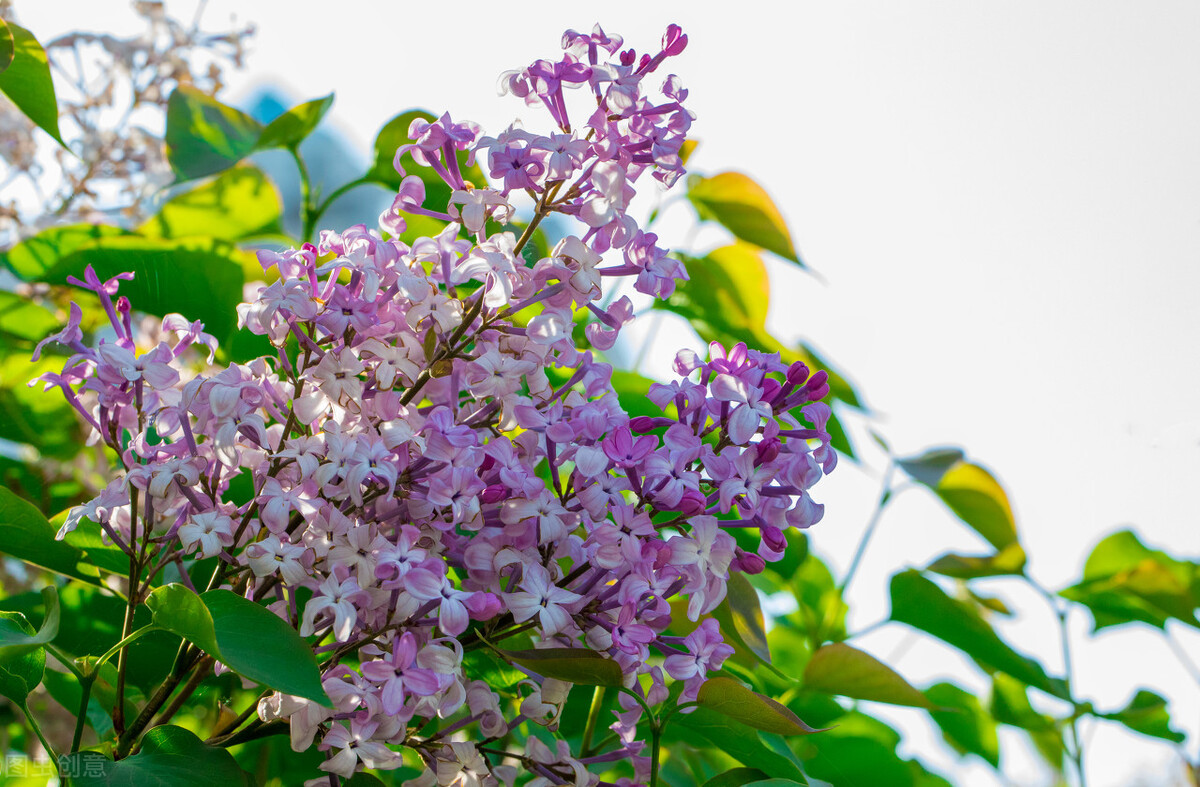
<point x="1147" y="713"/>
<point x="198" y="278"/>
<point x="838" y="668"/>
<point x="239" y="203"/>
<point x="169" y="757"/>
<point x="573" y="665"/>
<point x="21" y="673"/>
<point x="87" y="536"/>
<point x="27" y="535"/>
<point x="965" y="723"/>
<point x="290" y="128"/>
<point x="204" y="136"/>
<point x="730" y="698"/>
<point x="737" y="740"/>
<point x="15" y="642"/>
<point x="64" y="688"/>
<point x="920" y="603"/>
<point x="1125" y="581"/>
<point x="968" y="490"/>
<point x="7" y="46"/>
<point x="737" y="777"/>
<point x="741" y="616"/>
<point x="32" y="257"/>
<point x="1009" y="561"/>
<point x="246" y="637"/>
<point x="26" y="81"/>
<point x="860" y="751"/>
<point x="744" y="208"/>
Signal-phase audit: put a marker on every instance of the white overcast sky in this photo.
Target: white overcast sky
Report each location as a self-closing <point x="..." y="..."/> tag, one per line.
<point x="1003" y="203"/>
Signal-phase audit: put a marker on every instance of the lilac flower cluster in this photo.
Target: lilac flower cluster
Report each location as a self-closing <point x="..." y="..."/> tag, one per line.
<point x="431" y="462"/>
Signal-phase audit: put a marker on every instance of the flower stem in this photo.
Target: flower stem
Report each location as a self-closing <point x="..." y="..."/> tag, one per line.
<point x="37" y="730"/>
<point x="593" y="715"/>
<point x="884" y="495"/>
<point x="85" y="690"/>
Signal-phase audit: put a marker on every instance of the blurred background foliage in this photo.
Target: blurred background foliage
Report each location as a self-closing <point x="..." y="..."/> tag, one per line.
<point x="146" y="170"/>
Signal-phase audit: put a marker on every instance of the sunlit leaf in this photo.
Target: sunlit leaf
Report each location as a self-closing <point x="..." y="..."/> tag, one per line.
<point x="27" y="535"/>
<point x="968" y="490"/>
<point x="170" y="756"/>
<point x="736" y="777"/>
<point x="1008" y="561"/>
<point x="1125" y="581"/>
<point x="204" y="136"/>
<point x="27" y="83"/>
<point x="32" y="257"/>
<point x="245" y="636"/>
<point x="744" y="208"/>
<point x="573" y="665"/>
<point x="239" y="203"/>
<point x="965" y="723"/>
<point x="730" y="698"/>
<point x="290" y="128"/>
<point x="838" y="668"/>
<point x="24" y="319"/>
<point x="394" y="134"/>
<point x="197" y="278"/>
<point x="7" y="46"/>
<point x="1147" y="713"/>
<point x="920" y="603"/>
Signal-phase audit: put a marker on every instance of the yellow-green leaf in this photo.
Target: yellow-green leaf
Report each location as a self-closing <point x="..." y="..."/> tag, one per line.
<point x="290" y="128"/>
<point x="741" y="616"/>
<point x="239" y="203"/>
<point x="1006" y="562"/>
<point x="968" y="490"/>
<point x="838" y="668"/>
<point x="27" y="83"/>
<point x="744" y="208"/>
<point x="730" y="698"/>
<point x="7" y="46"/>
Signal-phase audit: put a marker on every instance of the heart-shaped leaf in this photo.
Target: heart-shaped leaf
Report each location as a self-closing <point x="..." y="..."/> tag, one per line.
<point x="169" y="757"/>
<point x="744" y="208"/>
<point x="15" y="641"/>
<point x="27" y="83"/>
<point x="21" y="673"/>
<point x="289" y="129"/>
<point x="204" y="136"/>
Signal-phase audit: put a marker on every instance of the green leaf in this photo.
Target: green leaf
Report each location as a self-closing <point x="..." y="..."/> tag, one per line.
<point x="170" y="756"/>
<point x="573" y="665"/>
<point x="204" y="136"/>
<point x="32" y="257"/>
<point x="965" y="723"/>
<point x="246" y="637"/>
<point x="822" y="611"/>
<point x="741" y="616"/>
<point x="7" y="46"/>
<point x="87" y="537"/>
<point x="1147" y="713"/>
<point x="728" y="287"/>
<point x="1126" y="581"/>
<point x="239" y="203"/>
<point x="16" y="642"/>
<point x="198" y="278"/>
<point x="968" y="490"/>
<point x="920" y="603"/>
<point x="289" y="129"/>
<point x="27" y="535"/>
<point x="24" y="319"/>
<point x="26" y="81"/>
<point x="1010" y="705"/>
<point x="730" y="698"/>
<point x="394" y="134"/>
<point x="744" y="208"/>
<point x="1009" y="561"/>
<point x="64" y="688"/>
<point x="860" y="751"/>
<point x="737" y="740"/>
<point x="838" y="668"/>
<point x="736" y="777"/>
<point x="21" y="673"/>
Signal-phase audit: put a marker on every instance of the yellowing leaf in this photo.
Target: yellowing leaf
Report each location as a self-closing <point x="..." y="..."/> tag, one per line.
<point x="744" y="208"/>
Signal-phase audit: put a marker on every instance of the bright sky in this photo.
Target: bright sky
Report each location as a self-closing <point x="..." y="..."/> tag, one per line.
<point x="1003" y="204"/>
